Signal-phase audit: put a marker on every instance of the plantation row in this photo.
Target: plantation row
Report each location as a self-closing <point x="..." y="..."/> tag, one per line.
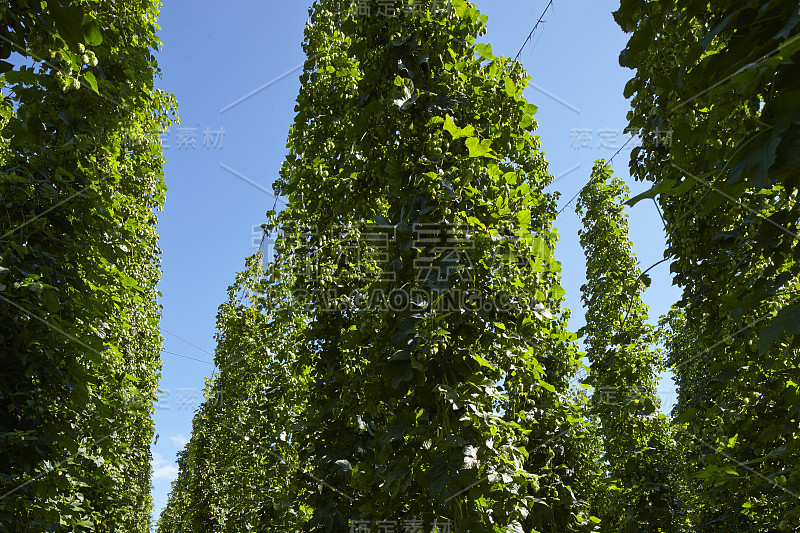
<point x="421" y="414"/>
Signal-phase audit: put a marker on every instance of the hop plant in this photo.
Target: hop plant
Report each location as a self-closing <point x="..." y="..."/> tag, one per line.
<point x="64" y="82"/>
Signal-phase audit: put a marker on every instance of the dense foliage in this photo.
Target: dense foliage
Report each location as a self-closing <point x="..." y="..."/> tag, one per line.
<point x="639" y="489"/>
<point x="716" y="97"/>
<point x="80" y="179"/>
<point x="359" y="400"/>
<point x="409" y="361"/>
<point x="239" y="470"/>
<point x="404" y="363"/>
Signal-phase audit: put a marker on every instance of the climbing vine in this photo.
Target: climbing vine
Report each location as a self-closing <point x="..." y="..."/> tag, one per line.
<point x="715" y="96"/>
<point x="405" y="358"/>
<point x="417" y="283"/>
<point x="79" y="263"/>
<point x="240" y="468"/>
<point x="624" y="364"/>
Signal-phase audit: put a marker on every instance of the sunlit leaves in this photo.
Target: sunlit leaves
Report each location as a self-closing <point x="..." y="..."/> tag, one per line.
<point x="79" y="333"/>
<point x="438" y="410"/>
<point x="618" y="341"/>
<point x="727" y="186"/>
<point x="456" y="132"/>
<point x="480" y="148"/>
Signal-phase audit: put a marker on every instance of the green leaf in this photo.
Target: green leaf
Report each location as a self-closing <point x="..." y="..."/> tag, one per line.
<point x="786" y="321"/>
<point x="69" y="22"/>
<point x="440" y="478"/>
<point x="526" y="122"/>
<point x="510" y="88"/>
<point x="547" y="386"/>
<point x="480" y="148"/>
<point x="515" y="527"/>
<point x="705" y="41"/>
<point x="662" y="187"/>
<point x="91" y="80"/>
<point x="483" y="362"/>
<point x="407" y="98"/>
<point x="686" y="416"/>
<point x="400" y="372"/>
<point x="456" y="132"/>
<point x="91" y="34"/>
<point x="524" y="218"/>
<point x="557" y="292"/>
<point x="51" y="301"/>
<point x="22" y="76"/>
<point x="707" y="472"/>
<point x="344" y="466"/>
<point x="485" y="51"/>
<point x="753" y="163"/>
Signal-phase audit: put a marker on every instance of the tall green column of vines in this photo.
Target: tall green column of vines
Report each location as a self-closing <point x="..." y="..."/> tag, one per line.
<point x="640" y="489"/>
<point x="80" y="180"/>
<point x="716" y="96"/>
<point x="407" y="380"/>
<point x="239" y="472"/>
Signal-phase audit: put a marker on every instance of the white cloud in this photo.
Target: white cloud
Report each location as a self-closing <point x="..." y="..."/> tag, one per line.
<point x="179" y="440"/>
<point x="163" y="469"/>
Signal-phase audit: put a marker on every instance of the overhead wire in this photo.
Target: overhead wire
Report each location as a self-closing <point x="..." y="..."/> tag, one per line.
<point x="609" y="162"/>
<point x="187" y="357"/>
<point x="527" y="40"/>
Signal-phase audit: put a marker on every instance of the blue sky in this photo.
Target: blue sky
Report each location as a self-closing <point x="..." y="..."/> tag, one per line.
<point x="222" y="159"/>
